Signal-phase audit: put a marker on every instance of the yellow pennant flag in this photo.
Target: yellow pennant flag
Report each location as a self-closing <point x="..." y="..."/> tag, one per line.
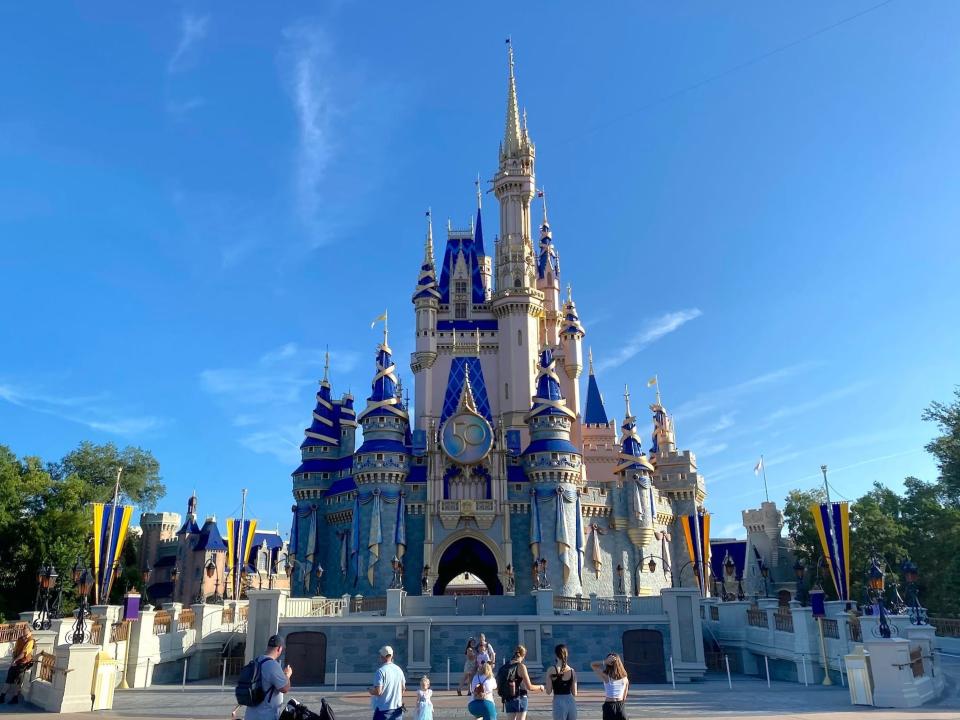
<point x="379" y="318"/>
<point x="652" y="381"/>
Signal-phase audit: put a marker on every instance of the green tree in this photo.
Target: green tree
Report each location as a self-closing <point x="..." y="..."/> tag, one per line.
<point x="876" y="529"/>
<point x="45" y="514"/>
<point x="946" y="448"/>
<point x="800" y="525"/>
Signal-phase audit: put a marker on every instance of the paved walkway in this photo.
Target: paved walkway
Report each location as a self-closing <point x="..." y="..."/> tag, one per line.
<point x="750" y="698"/>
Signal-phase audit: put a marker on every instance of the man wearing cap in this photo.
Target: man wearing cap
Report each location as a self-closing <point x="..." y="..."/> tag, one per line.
<point x="274" y="680"/>
<point x="387" y="688"/>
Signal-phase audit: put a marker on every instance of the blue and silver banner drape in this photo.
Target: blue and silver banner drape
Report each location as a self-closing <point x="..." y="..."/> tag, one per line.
<point x="355" y="540"/>
<point x="696" y="532"/>
<point x="400" y="534"/>
<point x="374" y="538"/>
<point x="561" y="530"/>
<point x="294" y="535"/>
<point x="239" y="541"/>
<point x="833" y="527"/>
<point x="110" y="523"/>
<point x="344" y="552"/>
<point x="375" y="533"/>
<point x="536" y="534"/>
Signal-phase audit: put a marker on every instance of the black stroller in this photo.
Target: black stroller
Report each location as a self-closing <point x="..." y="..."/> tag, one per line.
<point x="295" y="710"/>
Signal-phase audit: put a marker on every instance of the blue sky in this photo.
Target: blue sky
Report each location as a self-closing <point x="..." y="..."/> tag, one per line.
<point x="756" y="202"/>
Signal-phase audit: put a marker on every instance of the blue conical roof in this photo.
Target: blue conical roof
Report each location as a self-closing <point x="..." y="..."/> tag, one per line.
<point x="384" y="398"/>
<point x="548" y="257"/>
<point x="325" y="425"/>
<point x="549" y="398"/>
<point x="210" y="537"/>
<point x="631" y="455"/>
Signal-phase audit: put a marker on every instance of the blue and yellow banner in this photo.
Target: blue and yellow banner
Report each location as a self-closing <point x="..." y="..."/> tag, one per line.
<point x="833" y="527"/>
<point x="696" y="531"/>
<point x="239" y="541"/>
<point x="110" y="523"/>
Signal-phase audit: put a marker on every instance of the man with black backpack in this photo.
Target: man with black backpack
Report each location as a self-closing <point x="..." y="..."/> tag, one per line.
<point x="263" y="682"/>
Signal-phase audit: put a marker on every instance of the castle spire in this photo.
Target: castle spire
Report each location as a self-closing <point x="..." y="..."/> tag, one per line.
<point x="479" y="193"/>
<point x="594" y="413"/>
<point x="626" y="399"/>
<point x="512" y="136"/>
<point x="326" y="367"/>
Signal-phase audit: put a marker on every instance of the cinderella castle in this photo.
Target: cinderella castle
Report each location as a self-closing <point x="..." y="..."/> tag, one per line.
<point x="499" y="468"/>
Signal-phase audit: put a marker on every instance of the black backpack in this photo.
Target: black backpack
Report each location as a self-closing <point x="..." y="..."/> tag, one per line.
<point x="508" y="681"/>
<point x="249" y="689"/>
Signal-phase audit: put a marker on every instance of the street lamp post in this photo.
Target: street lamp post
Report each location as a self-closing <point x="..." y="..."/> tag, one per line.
<point x="84" y="582"/>
<point x="911" y="573"/>
<point x="174" y="574"/>
<point x="621" y="590"/>
<point x="652" y="567"/>
<point x="211" y="569"/>
<point x="46" y="582"/>
<point x="875" y="582"/>
<point x="146" y="585"/>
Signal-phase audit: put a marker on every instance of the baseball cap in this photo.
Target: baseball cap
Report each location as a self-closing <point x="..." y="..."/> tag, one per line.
<point x="275" y="641"/>
<point x="386" y="651"/>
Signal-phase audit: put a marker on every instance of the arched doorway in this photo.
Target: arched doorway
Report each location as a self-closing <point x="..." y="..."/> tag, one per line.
<point x="643" y="656"/>
<point x="307" y="652"/>
<point x="468" y="555"/>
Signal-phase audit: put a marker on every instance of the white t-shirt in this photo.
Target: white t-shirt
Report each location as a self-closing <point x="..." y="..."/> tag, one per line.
<point x="489" y="685"/>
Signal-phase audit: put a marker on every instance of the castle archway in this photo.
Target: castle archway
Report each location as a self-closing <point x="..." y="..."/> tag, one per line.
<point x="468" y="554"/>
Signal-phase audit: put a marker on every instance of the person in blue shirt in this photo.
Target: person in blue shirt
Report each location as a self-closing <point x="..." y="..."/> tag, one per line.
<point x="387" y="688"/>
<point x="274" y="680"/>
<point x="481" y="708"/>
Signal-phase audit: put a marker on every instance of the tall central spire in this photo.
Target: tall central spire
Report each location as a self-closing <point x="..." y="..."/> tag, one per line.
<point x="512" y="136"/>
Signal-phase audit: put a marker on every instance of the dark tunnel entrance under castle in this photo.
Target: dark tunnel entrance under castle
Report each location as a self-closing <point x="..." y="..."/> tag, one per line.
<point x="468" y="555"/>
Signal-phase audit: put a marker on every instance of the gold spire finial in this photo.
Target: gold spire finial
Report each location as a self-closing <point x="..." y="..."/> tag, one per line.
<point x="428" y="243"/>
<point x="542" y="194"/>
<point x="476" y="334"/>
<point x="569" y="293"/>
<point x="385" y="333"/>
<point x="466" y="396"/>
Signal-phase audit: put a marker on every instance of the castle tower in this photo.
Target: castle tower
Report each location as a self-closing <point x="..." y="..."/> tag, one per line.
<point x="599" y="434"/>
<point x="635" y="471"/>
<point x="325" y="454"/>
<point x="380" y="468"/>
<point x="553" y="466"/>
<point x="571" y="344"/>
<point x="548" y="282"/>
<point x="426" y="300"/>
<point x="158" y="528"/>
<point x="517" y="303"/>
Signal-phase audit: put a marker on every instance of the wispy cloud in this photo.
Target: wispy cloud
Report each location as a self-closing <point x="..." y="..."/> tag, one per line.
<point x="179" y="109"/>
<point x="269" y="397"/>
<point x="654" y="330"/>
<point x="193" y="29"/>
<point x="96" y="412"/>
<point x="730" y="530"/>
<point x="310" y="52"/>
<point x="827" y="398"/>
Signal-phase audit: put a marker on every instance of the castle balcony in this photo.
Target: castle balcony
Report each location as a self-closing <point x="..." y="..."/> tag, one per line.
<point x="372" y="463"/>
<point x="483" y="512"/>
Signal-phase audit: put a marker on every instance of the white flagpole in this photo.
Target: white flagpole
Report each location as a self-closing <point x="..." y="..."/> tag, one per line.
<point x="763" y="467"/>
<point x="104" y="591"/>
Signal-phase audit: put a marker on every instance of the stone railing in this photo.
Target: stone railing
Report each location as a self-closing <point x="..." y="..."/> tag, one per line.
<point x="854" y="632"/>
<point x="96" y="632"/>
<point x="120" y="632"/>
<point x="185" y="620"/>
<point x="830" y="628"/>
<point x="161" y="622"/>
<point x="574" y="604"/>
<point x="46" y="663"/>
<point x="242" y="613"/>
<point x="369" y="604"/>
<point x="228" y="615"/>
<point x="757" y="617"/>
<point x="783" y="621"/>
<point x="11" y="632"/>
<point x="715" y="613"/>
<point x="946" y="627"/>
<point x="613" y="606"/>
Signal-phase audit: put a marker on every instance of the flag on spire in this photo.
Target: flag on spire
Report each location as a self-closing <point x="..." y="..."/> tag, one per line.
<point x="381" y="318"/>
<point x="758" y="467"/>
<point x="652" y="381"/>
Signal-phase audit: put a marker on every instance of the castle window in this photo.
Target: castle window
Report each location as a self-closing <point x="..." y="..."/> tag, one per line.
<point x="460" y="286"/>
<point x="519" y="337"/>
<point x="460" y="311"/>
<point x="380" y="456"/>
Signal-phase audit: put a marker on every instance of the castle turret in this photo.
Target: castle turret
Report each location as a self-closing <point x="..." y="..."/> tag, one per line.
<point x="548" y="281"/>
<point x="517" y="303"/>
<point x="426" y="300"/>
<point x="635" y="471"/>
<point x="571" y="343"/>
<point x="325" y="455"/>
<point x="599" y="433"/>
<point x="380" y="467"/>
<point x="554" y="467"/>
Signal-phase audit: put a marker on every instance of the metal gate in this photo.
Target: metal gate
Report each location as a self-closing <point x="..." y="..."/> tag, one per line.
<point x="306" y="653"/>
<point x="643" y="656"/>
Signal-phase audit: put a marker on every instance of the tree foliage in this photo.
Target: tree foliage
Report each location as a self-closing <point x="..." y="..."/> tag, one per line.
<point x="45" y="514"/>
<point x="922" y="523"/>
